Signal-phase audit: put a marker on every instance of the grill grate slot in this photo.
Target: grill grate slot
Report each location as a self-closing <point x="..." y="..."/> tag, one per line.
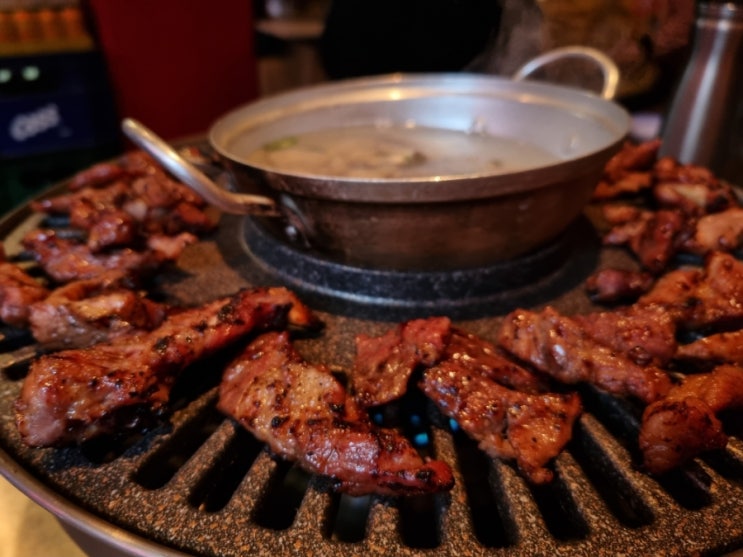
<point x="349" y="518"/>
<point x="419" y="520"/>
<point x="728" y="463"/>
<point x="688" y="486"/>
<point x="215" y="489"/>
<point x="561" y="515"/>
<point x="282" y="496"/>
<point x="487" y="521"/>
<point x="620" y="417"/>
<point x="619" y="495"/>
<point x="163" y="463"/>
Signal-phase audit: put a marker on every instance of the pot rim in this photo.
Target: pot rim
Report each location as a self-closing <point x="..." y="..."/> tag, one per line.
<point x="585" y="106"/>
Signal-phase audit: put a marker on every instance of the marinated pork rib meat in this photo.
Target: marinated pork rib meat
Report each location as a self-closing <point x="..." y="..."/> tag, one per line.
<point x="488" y="360"/>
<point x="646" y="334"/>
<point x="98" y="175"/>
<point x="74" y="395"/>
<point x="618" y="285"/>
<point x="560" y="347"/>
<point x="721" y="231"/>
<point x="304" y="414"/>
<point x="18" y="291"/>
<point x="65" y="260"/>
<point x="717" y="348"/>
<point x="83" y="313"/>
<point x="685" y="424"/>
<point x="128" y="206"/>
<point x="531" y="429"/>
<point x="707" y="298"/>
<point x="629" y="171"/>
<point x="653" y="236"/>
<point x="383" y="365"/>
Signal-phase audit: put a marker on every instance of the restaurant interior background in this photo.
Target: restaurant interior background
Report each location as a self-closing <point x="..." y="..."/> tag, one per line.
<point x="71" y="69"/>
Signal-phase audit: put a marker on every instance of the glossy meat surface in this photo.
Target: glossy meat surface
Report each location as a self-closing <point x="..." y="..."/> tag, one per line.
<point x="304" y="414"/>
<point x="685" y="423"/>
<point x="74" y="395"/>
<point x="529" y="428"/>
<point x="18" y="291"/>
<point x="85" y="312"/>
<point x="65" y="260"/>
<point x="383" y="365"/>
<point x="646" y="334"/>
<point x="558" y="346"/>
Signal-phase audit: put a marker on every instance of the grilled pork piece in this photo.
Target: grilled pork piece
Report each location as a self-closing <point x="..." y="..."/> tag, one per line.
<point x="653" y="236"/>
<point x="693" y="189"/>
<point x="526" y="427"/>
<point x="384" y="364"/>
<point x="695" y="298"/>
<point x="684" y="424"/>
<point x="559" y="346"/>
<point x="720" y="348"/>
<point x="123" y="203"/>
<point x="721" y="231"/>
<point x="303" y="414"/>
<point x="18" y="291"/>
<point x="629" y="171"/>
<point x="83" y="313"/>
<point x="489" y="361"/>
<point x="75" y="395"/>
<point x="98" y="175"/>
<point x="618" y="285"/>
<point x="645" y="334"/>
<point x="65" y="260"/>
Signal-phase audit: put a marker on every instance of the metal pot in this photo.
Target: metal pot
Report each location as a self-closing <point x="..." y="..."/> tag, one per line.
<point x="437" y="222"/>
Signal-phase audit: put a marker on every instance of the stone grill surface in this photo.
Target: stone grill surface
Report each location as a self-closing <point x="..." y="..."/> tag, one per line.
<point x="200" y="485"/>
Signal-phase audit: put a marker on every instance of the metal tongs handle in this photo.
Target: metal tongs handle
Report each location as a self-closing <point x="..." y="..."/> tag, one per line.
<point x="609" y="69"/>
<point x="229" y="202"/>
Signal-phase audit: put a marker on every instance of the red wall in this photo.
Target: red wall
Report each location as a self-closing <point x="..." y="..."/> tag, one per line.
<point x="177" y="65"/>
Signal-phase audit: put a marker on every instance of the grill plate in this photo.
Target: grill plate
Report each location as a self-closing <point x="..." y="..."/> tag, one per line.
<point x="203" y="486"/>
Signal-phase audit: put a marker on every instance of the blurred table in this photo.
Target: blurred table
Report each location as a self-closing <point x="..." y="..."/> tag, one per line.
<point x="28" y="530"/>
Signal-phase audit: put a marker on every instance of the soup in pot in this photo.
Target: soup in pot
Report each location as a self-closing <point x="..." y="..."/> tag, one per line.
<point x="385" y="152"/>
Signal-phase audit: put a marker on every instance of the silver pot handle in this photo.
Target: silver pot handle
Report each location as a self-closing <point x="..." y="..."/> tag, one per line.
<point x="229" y="202"/>
<point x="609" y="69"/>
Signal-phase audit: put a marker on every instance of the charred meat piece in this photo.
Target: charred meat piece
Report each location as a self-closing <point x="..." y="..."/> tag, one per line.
<point x="719" y="348"/>
<point x="629" y="171"/>
<point x="653" y="237"/>
<point x="721" y="231"/>
<point x="559" y="346"/>
<point x="632" y="157"/>
<point x="83" y="313"/>
<point x="124" y="211"/>
<point x="65" y="260"/>
<point x="488" y="360"/>
<point x="304" y="414"/>
<point x="708" y="298"/>
<point x="618" y="285"/>
<point x="98" y="175"/>
<point x="74" y="395"/>
<point x="18" y="291"/>
<point x="685" y="424"/>
<point x="82" y="206"/>
<point x="531" y="429"/>
<point x="384" y="364"/>
<point x="645" y="334"/>
<point x="694" y="189"/>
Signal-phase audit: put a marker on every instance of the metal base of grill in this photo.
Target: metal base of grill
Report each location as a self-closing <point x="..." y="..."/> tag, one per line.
<point x="201" y="485"/>
<point x="391" y="294"/>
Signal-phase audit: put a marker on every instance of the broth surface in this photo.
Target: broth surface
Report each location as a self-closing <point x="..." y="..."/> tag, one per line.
<point x="395" y="152"/>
